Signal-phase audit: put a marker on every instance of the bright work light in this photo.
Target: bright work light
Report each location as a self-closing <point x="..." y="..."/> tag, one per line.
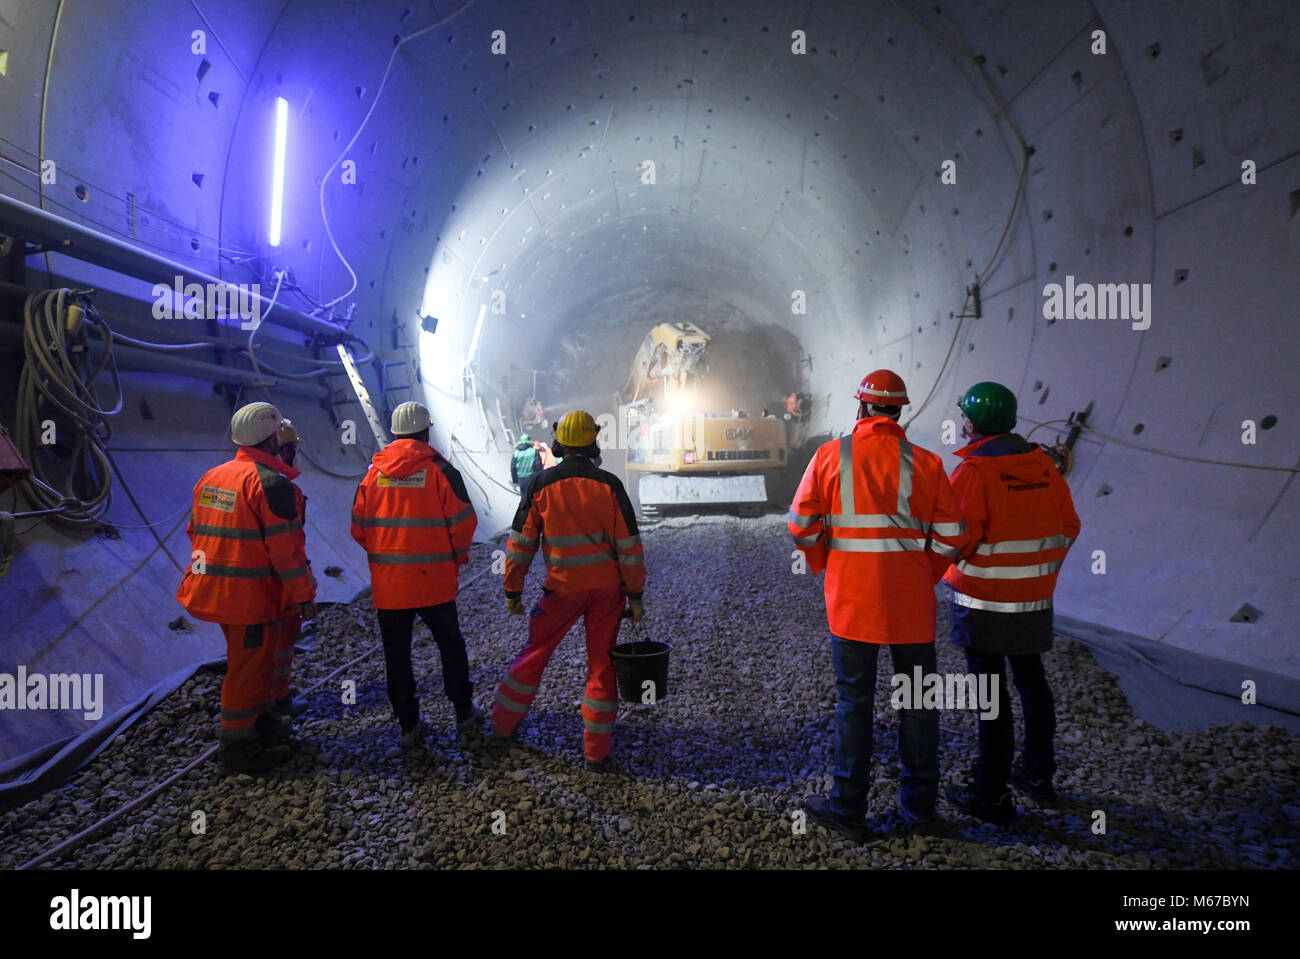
<point x="277" y="171"/>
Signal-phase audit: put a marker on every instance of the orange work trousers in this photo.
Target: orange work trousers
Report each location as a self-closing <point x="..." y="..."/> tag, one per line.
<point x="247" y="691"/>
<point x="291" y="627"/>
<point x="552" y="617"/>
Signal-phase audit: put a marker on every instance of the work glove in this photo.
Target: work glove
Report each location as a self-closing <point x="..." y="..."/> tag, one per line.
<point x="636" y="609"/>
<point x="515" y="606"/>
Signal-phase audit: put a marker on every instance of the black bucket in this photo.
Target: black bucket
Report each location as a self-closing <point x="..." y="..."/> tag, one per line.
<point x="639" y="662"/>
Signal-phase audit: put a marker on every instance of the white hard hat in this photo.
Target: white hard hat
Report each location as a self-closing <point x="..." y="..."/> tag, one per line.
<point x="409" y="418"/>
<point x="253" y="423"/>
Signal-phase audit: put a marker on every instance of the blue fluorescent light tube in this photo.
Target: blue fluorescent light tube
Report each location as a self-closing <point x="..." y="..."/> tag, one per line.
<point x="277" y="171"/>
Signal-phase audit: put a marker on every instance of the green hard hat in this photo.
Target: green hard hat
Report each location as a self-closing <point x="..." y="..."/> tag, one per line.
<point x="525" y="438"/>
<point x="990" y="407"/>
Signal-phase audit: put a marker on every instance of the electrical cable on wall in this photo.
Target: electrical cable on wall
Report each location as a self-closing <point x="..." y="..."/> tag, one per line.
<point x="1100" y="437"/>
<point x="383" y="83"/>
<point x="323" y="365"/>
<point x="469" y="457"/>
<point x="329" y="472"/>
<point x="57" y="375"/>
<point x="151" y="527"/>
<point x="164" y="347"/>
<point x="252" y="357"/>
<point x="978" y="63"/>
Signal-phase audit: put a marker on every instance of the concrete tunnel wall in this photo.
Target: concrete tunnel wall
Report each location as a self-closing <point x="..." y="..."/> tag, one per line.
<point x="774" y="172"/>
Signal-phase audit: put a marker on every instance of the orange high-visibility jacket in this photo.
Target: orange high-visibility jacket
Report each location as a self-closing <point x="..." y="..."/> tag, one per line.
<point x="413" y="516"/>
<point x="878" y="515"/>
<point x="246" y="525"/>
<point x="1021" y="518"/>
<point x="583" y="519"/>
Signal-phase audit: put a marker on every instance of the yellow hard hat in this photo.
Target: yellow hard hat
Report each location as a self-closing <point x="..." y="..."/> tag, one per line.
<point x="288" y="433"/>
<point x="577" y="429"/>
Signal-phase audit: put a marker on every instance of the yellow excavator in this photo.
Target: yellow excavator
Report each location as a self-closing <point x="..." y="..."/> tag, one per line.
<point x="679" y="454"/>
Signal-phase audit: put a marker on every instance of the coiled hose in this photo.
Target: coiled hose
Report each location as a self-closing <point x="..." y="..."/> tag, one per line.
<point x="58" y="377"/>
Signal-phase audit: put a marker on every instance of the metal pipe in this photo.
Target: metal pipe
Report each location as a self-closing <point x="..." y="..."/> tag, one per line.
<point x="132" y="327"/>
<point x="146" y="361"/>
<point x="26" y="222"/>
<point x="132" y="358"/>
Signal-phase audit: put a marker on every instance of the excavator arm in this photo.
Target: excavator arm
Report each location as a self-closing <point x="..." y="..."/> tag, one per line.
<point x="671" y="354"/>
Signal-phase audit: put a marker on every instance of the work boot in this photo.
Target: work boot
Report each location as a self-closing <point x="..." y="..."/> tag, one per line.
<point x="603" y="767"/>
<point x="493" y="745"/>
<point x="1040" y="790"/>
<point x="288" y="706"/>
<point x="413" y="735"/>
<point x="250" y="756"/>
<point x="819" y="811"/>
<point x="1000" y="811"/>
<point x="895" y="823"/>
<point x="470" y="724"/>
<point x="273" y="729"/>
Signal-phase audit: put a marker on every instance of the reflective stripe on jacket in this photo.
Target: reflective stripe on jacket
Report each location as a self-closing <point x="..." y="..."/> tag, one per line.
<point x="877" y="513"/>
<point x="413" y="517"/>
<point x="581" y="518"/>
<point x="1021" y="517"/>
<point x="248" y="549"/>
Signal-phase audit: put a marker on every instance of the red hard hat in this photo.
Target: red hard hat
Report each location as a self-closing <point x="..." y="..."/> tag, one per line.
<point x="883" y="388"/>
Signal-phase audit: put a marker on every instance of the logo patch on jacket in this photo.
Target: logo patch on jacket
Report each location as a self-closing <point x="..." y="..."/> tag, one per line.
<point x="415" y="479"/>
<point x="214" y="497"/>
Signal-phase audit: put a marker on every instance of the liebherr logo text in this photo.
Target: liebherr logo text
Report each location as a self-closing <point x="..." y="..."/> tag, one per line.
<point x="108" y="913"/>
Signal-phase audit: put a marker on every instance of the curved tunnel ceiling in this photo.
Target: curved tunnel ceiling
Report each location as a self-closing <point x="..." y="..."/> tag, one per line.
<point x="820" y="172"/>
<point x="774" y="172"/>
<point x="771" y="173"/>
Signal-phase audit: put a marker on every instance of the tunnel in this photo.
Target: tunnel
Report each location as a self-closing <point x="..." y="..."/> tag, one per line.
<point x="484" y="207"/>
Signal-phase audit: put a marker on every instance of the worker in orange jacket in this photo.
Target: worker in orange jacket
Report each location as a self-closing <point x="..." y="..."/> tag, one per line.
<point x="250" y="573"/>
<point x="1021" y="518"/>
<point x="582" y="519"/>
<point x="412" y="515"/>
<point x="876" y="513"/>
<point x="288" y="439"/>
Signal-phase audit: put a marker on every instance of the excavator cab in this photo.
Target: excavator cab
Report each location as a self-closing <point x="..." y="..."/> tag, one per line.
<point x="679" y="455"/>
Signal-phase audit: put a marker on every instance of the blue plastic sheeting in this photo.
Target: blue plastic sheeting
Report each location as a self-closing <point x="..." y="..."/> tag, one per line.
<point x="1182" y="691"/>
<point x="26" y="777"/>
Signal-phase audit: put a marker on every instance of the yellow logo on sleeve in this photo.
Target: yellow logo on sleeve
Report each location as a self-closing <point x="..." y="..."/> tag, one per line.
<point x="415" y="479"/>
<point x="214" y="497"/>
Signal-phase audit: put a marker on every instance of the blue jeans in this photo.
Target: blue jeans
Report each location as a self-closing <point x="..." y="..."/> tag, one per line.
<point x="918" y="735"/>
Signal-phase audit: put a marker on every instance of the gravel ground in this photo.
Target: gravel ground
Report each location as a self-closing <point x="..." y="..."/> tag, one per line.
<point x="715" y="770"/>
